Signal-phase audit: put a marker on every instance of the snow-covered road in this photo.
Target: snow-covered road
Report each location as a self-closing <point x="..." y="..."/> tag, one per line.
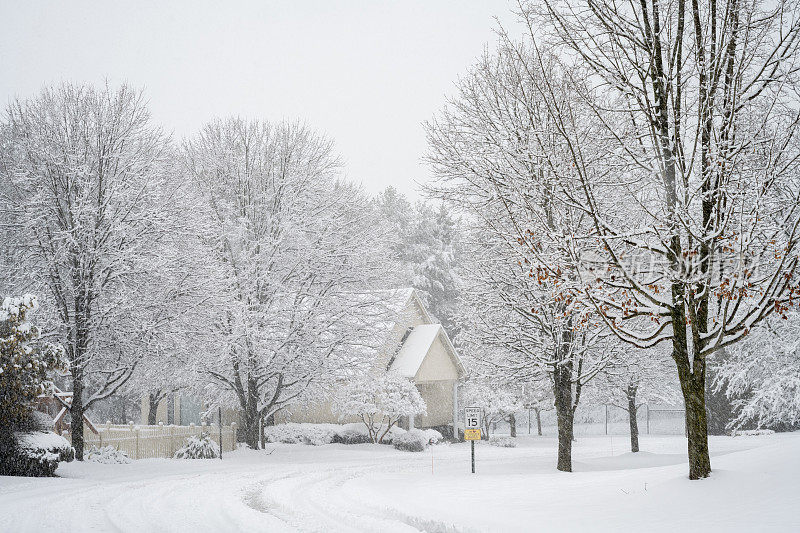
<point x="376" y="488"/>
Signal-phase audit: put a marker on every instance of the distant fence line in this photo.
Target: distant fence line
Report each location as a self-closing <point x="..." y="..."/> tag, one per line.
<point x="148" y="442"/>
<point x="664" y="420"/>
<point x="651" y="420"/>
<point x="599" y="419"/>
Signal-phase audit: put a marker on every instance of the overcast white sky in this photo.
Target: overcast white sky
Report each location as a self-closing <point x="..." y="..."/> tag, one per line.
<point x="365" y="73"/>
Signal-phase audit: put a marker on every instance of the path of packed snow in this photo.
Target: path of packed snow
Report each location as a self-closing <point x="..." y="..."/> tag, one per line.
<point x="755" y="486"/>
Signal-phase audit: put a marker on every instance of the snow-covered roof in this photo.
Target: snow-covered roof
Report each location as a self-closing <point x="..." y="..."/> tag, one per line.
<point x="416" y="346"/>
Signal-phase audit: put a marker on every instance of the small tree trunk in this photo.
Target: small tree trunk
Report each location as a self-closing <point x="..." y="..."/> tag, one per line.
<point x="512" y="421"/>
<point x="539" y="422"/>
<point x="152" y="409"/>
<point x="631" y="392"/>
<point x="123" y="410"/>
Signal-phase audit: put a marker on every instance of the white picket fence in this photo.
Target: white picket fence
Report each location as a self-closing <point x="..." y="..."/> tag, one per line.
<point x="147" y="442"/>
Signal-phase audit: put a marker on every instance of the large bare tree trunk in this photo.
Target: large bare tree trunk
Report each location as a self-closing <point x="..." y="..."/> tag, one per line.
<point x="539" y="421"/>
<point x="565" y="418"/>
<point x="76" y="413"/>
<point x="694" y="397"/>
<point x="250" y="421"/>
<point x="77" y="409"/>
<point x="565" y="415"/>
<point x="631" y="393"/>
<point x="512" y="422"/>
<point x="692" y="376"/>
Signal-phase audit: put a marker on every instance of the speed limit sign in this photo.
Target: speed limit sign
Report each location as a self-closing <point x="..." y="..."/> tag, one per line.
<point x="472" y="417"/>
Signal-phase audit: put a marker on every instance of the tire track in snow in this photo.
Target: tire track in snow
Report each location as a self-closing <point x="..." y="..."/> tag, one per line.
<point x="314" y="501"/>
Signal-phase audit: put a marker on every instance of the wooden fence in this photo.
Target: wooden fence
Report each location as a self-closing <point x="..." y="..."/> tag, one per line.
<point x="147" y="442"/>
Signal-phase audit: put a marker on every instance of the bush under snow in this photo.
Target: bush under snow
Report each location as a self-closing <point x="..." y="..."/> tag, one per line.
<point x="416" y="440"/>
<point x="107" y="455"/>
<point x="751" y="432"/>
<point x="502" y="442"/>
<point x="314" y="434"/>
<point x="201" y="447"/>
<point x="410" y="441"/>
<point x="319" y="434"/>
<point x="352" y="436"/>
<point x="431" y="435"/>
<point x="35" y="453"/>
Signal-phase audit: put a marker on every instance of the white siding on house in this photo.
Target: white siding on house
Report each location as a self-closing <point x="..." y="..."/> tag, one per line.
<point x="438" y="396"/>
<point x="437" y="365"/>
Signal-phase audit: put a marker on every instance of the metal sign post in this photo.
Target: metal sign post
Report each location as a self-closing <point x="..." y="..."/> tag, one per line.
<point x="472" y="446"/>
<point x="472" y="422"/>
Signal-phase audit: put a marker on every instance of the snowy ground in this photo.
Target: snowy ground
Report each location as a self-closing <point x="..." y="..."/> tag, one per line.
<point x="754" y="487"/>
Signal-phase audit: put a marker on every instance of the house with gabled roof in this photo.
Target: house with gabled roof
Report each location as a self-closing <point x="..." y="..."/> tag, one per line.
<point x="415" y="346"/>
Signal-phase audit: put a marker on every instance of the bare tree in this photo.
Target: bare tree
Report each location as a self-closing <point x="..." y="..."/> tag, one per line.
<point x="634" y="378"/>
<point x="690" y="175"/>
<point x="82" y="194"/>
<point x="289" y="251"/>
<point x="491" y="152"/>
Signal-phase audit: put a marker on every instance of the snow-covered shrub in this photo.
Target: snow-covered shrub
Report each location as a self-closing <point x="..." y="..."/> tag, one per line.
<point x="107" y="455"/>
<point x="411" y="441"/>
<point x="502" y="442"/>
<point x="201" y="447"/>
<point x="292" y="433"/>
<point x="380" y="402"/>
<point x="395" y="431"/>
<point x="751" y="432"/>
<point x="318" y="434"/>
<point x="352" y="436"/>
<point x="35" y="453"/>
<point x="431" y="435"/>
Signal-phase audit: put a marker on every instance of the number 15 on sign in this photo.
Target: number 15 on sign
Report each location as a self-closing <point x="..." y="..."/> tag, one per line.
<point x="472" y="417"/>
